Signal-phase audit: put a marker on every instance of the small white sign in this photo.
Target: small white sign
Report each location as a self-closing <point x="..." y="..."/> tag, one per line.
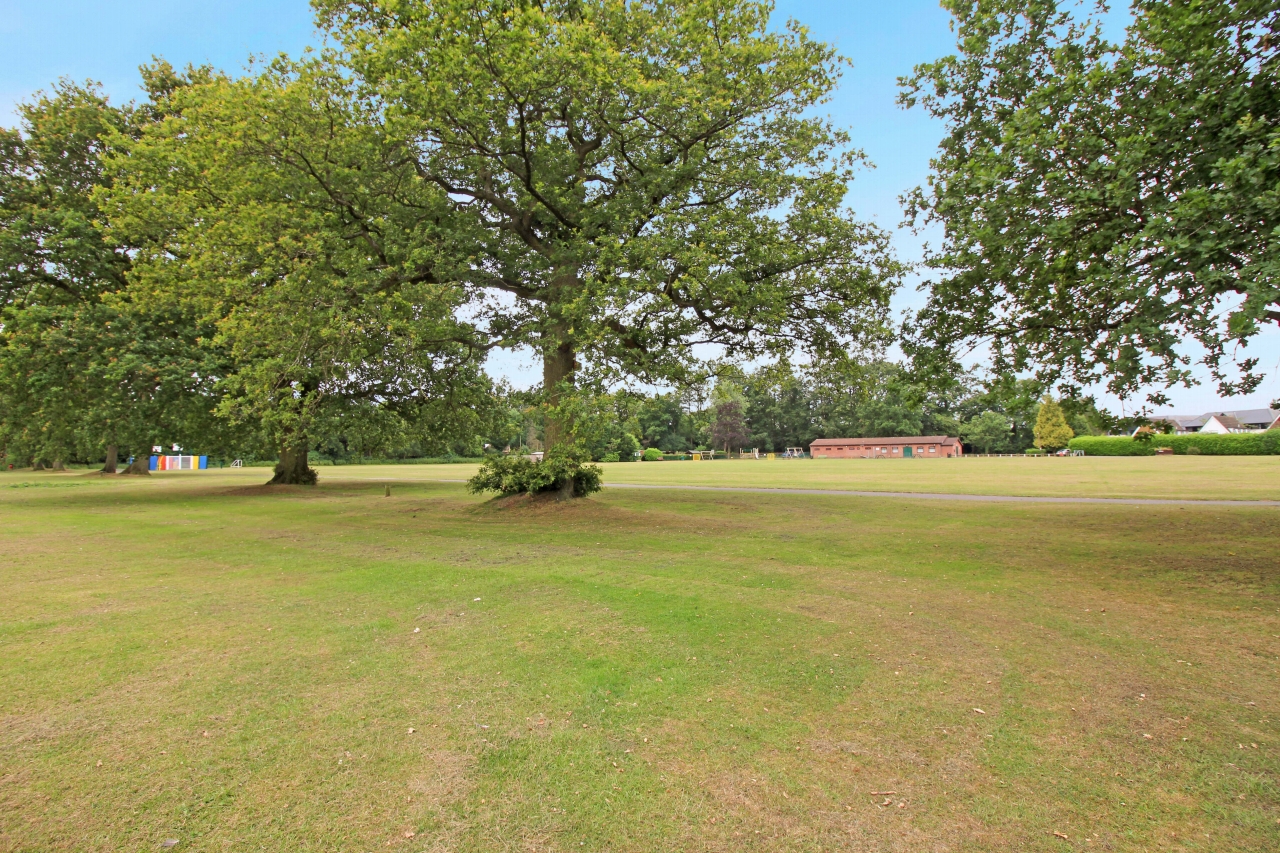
<point x="155" y="448"/>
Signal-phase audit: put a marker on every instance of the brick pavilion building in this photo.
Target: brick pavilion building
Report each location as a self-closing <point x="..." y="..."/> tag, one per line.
<point x="913" y="447"/>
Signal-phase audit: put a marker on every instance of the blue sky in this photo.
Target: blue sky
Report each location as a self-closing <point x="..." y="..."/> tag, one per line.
<point x="42" y="40"/>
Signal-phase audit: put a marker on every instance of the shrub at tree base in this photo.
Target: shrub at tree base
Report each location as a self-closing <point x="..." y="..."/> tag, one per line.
<point x="1240" y="444"/>
<point x="653" y="454"/>
<point x="519" y="475"/>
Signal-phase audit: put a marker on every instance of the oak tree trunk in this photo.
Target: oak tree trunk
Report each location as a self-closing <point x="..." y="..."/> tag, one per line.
<point x="58" y="465"/>
<point x="292" y="469"/>
<point x="113" y="458"/>
<point x="558" y="367"/>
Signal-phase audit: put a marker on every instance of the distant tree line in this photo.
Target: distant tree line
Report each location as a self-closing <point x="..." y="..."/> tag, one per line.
<point x="781" y="406"/>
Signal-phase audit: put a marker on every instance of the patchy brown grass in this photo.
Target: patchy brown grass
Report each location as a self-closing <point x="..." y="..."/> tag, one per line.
<point x="642" y="671"/>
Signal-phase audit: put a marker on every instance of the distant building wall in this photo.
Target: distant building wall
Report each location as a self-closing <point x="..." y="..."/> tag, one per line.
<point x="913" y="447"/>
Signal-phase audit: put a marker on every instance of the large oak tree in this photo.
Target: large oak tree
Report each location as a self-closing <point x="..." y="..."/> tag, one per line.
<point x="276" y="209"/>
<point x="623" y="182"/>
<point x="85" y="370"/>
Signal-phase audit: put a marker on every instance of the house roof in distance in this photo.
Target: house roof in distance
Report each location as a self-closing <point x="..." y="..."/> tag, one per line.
<point x="1229" y="422"/>
<point x="1183" y="421"/>
<point x="868" y="442"/>
<point x="1255" y="418"/>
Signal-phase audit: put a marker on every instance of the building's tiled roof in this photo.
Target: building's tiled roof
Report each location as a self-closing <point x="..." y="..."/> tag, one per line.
<point x="1228" y="421"/>
<point x="1183" y="421"/>
<point x="1255" y="418"/>
<point x="867" y="442"/>
<point x="1259" y="418"/>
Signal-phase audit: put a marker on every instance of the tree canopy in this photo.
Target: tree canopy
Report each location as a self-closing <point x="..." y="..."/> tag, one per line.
<point x="282" y="214"/>
<point x="85" y="369"/>
<point x="1104" y="203"/>
<point x="988" y="431"/>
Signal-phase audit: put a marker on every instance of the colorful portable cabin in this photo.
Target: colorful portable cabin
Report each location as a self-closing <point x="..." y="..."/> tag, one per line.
<point x="179" y="463"/>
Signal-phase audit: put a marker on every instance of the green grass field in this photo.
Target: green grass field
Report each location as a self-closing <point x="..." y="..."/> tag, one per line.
<point x="1189" y="477"/>
<point x="193" y="657"/>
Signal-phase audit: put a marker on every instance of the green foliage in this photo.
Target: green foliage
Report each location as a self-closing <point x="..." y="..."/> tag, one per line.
<point x="53" y="250"/>
<point x="601" y="422"/>
<point x="1052" y="431"/>
<point x="319" y="460"/>
<point x="878" y="399"/>
<point x="610" y="457"/>
<point x="1236" y="444"/>
<point x="516" y="419"/>
<point x="728" y="426"/>
<point x="628" y="447"/>
<point x="652" y="454"/>
<point x="1017" y="400"/>
<point x="1111" y="445"/>
<point x="1103" y="203"/>
<point x="780" y="407"/>
<point x="87" y="367"/>
<point x="518" y="475"/>
<point x="785" y="406"/>
<point x="664" y="423"/>
<point x="276" y="211"/>
<point x="75" y="378"/>
<point x="987" y="431"/>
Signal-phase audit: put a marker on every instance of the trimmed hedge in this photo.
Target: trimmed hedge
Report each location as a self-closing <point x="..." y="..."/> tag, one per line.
<point x="1237" y="444"/>
<point x="1111" y="445"/>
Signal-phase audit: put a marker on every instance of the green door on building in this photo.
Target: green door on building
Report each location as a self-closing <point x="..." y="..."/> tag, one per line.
<point x="906" y="451"/>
